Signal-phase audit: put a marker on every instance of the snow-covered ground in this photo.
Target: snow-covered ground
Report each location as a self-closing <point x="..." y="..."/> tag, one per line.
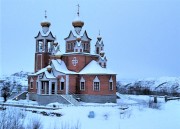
<point x="111" y="116"/>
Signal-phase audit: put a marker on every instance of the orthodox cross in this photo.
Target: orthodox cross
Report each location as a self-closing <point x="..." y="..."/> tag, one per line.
<point x="78" y="9"/>
<point x="74" y="61"/>
<point x="45" y="14"/>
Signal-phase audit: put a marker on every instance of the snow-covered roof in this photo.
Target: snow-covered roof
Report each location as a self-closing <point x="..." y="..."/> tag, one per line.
<point x="49" y="75"/>
<point x="94" y="68"/>
<point x="39" y="72"/>
<point x="58" y="53"/>
<point x="60" y="66"/>
<point x="45" y="34"/>
<point x="80" y="53"/>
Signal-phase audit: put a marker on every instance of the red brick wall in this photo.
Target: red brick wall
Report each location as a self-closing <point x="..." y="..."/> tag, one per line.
<point x="58" y="84"/>
<point x="104" y="85"/>
<point x="38" y="61"/>
<point x="34" y="90"/>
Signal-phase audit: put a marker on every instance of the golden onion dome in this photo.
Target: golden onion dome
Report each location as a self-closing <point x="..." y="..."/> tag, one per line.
<point x="78" y="38"/>
<point x="45" y="23"/>
<point x="102" y="53"/>
<point x="58" y="54"/>
<point x="55" y="44"/>
<point x="78" y="23"/>
<point x="99" y="38"/>
<point x="49" y="68"/>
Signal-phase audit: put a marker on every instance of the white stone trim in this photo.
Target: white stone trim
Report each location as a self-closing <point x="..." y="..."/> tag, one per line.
<point x="82" y="80"/>
<point x="67" y="84"/>
<point x="96" y="80"/>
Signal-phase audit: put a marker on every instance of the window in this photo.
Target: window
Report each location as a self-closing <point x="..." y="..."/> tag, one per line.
<point x="84" y="46"/>
<point x="62" y="86"/>
<point x="82" y="86"/>
<point x="97" y="50"/>
<point x="68" y="46"/>
<point x="62" y="83"/>
<point x="96" y="86"/>
<point x="110" y="85"/>
<point x="31" y="85"/>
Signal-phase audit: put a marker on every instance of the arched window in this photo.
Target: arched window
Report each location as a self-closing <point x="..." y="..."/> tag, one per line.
<point x="82" y="84"/>
<point x="31" y="83"/>
<point x="97" y="50"/>
<point x="62" y="83"/>
<point x="96" y="84"/>
<point x="111" y="84"/>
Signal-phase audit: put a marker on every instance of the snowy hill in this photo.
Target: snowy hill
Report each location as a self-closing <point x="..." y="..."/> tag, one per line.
<point x="17" y="81"/>
<point x="165" y="84"/>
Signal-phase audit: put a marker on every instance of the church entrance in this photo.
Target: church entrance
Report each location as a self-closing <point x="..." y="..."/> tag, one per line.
<point x="53" y="88"/>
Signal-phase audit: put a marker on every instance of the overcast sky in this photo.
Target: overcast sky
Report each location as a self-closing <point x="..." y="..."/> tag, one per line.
<point x="141" y="37"/>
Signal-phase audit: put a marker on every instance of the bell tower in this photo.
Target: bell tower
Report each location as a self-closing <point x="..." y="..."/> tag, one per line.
<point x="99" y="46"/>
<point x="99" y="49"/>
<point x="78" y="40"/>
<point x="44" y="45"/>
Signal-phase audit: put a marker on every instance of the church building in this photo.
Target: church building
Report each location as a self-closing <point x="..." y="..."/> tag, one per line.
<point x="76" y="75"/>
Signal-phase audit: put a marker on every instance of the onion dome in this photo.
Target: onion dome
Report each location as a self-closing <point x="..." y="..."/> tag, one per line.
<point x="55" y="44"/>
<point x="78" y="23"/>
<point x="99" y="36"/>
<point x="45" y="23"/>
<point x="78" y="38"/>
<point x="58" y="54"/>
<point x="102" y="53"/>
<point x="49" y="68"/>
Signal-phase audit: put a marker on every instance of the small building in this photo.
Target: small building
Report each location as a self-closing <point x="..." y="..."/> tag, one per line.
<point x="75" y="74"/>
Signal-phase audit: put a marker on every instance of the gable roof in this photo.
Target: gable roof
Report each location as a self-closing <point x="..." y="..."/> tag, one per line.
<point x="45" y="35"/>
<point x="94" y="68"/>
<point x="60" y="66"/>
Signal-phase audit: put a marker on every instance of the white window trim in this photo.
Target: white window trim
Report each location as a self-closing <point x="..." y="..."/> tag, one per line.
<point x="82" y="80"/>
<point x="31" y="81"/>
<point x="96" y="80"/>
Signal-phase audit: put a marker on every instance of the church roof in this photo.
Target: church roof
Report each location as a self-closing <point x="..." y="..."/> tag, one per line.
<point x="39" y="72"/>
<point x="94" y="68"/>
<point x="44" y="34"/>
<point x="60" y="66"/>
<point x="83" y="34"/>
<point x="49" y="75"/>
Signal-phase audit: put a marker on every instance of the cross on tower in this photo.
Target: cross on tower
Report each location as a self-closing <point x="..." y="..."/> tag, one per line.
<point x="78" y="9"/>
<point x="45" y="14"/>
<point x="74" y="61"/>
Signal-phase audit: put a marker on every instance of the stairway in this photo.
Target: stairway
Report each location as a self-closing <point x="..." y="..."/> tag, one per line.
<point x="71" y="99"/>
<point x="18" y="96"/>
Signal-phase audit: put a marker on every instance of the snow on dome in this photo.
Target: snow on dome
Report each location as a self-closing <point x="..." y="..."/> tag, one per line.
<point x="58" y="54"/>
<point x="94" y="68"/>
<point x="49" y="66"/>
<point x="77" y="22"/>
